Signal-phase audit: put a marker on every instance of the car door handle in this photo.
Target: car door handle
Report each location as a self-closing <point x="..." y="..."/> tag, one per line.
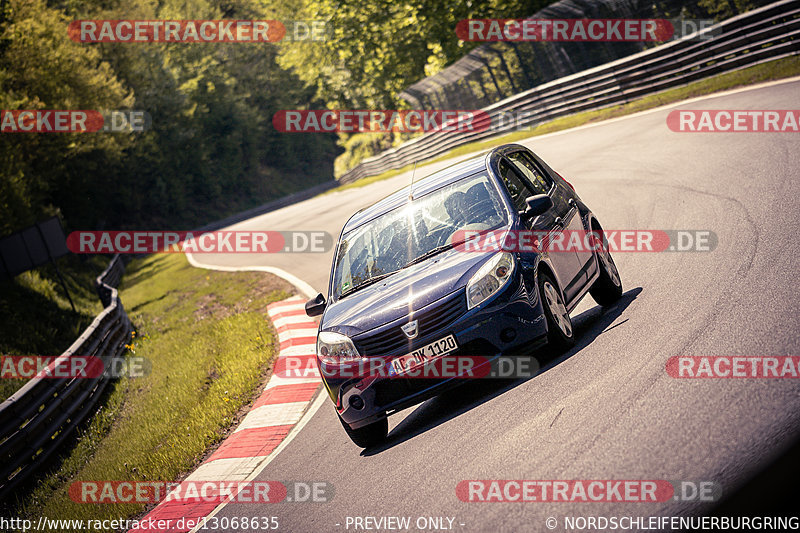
<point x="572" y="202"/>
<point x="558" y="221"/>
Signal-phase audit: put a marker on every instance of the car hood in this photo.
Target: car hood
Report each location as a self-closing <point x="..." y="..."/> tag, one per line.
<point x="411" y="288"/>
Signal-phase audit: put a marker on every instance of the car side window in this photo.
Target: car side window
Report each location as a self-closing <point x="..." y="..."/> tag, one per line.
<point x="517" y="188"/>
<point x="530" y="170"/>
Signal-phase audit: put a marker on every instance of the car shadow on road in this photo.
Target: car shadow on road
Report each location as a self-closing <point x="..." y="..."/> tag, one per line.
<point x="588" y="326"/>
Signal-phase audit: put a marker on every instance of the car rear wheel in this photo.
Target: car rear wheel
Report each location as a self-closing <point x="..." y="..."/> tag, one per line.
<point x="608" y="287"/>
<point x="560" y="336"/>
<point x="369" y="435"/>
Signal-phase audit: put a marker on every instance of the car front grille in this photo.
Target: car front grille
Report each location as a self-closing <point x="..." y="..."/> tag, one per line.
<point x="436" y="316"/>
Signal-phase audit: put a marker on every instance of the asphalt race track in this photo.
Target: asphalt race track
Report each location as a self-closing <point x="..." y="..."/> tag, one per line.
<point x="607" y="409"/>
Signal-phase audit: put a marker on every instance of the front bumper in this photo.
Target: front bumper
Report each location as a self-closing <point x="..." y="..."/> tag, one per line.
<point x="509" y="322"/>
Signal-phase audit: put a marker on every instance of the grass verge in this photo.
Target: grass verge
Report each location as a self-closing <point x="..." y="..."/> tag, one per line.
<point x="773" y="70"/>
<point x="35" y="315"/>
<point x="208" y="340"/>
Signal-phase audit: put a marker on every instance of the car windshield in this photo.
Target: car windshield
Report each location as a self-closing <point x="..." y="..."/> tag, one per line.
<point x="420" y="229"/>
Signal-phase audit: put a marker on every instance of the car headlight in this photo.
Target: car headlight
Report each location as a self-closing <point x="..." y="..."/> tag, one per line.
<point x="335" y="348"/>
<point x="489" y="279"/>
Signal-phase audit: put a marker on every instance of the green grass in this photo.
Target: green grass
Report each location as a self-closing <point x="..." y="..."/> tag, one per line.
<point x="773" y="70"/>
<point x="35" y="315"/>
<point x="209" y="342"/>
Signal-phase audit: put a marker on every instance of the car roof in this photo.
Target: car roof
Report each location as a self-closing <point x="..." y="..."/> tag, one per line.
<point x="422" y="186"/>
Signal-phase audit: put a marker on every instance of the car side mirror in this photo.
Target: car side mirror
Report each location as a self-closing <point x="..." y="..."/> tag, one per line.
<point x="316" y="305"/>
<point x="537" y="205"/>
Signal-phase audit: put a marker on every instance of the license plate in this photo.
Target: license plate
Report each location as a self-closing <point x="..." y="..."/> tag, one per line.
<point x="403" y="363"/>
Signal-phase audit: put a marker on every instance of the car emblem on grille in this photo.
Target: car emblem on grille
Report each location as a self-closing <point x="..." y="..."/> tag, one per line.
<point x="411" y="329"/>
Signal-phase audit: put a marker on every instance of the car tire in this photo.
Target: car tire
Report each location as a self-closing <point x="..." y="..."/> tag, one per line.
<point x="369" y="435"/>
<point x="607" y="289"/>
<point x="560" y="335"/>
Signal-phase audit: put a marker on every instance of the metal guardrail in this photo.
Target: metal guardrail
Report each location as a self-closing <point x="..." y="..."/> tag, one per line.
<point x="36" y="419"/>
<point x="273" y="205"/>
<point x="764" y="34"/>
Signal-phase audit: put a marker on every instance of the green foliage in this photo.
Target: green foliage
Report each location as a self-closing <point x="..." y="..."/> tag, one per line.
<point x="722" y="9"/>
<point x="42" y="69"/>
<point x="358" y="147"/>
<point x="379" y="48"/>
<point x="211" y="149"/>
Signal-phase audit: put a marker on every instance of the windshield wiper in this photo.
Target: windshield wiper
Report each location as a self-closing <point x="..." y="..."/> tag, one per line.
<point x="430" y="253"/>
<point x="370" y="281"/>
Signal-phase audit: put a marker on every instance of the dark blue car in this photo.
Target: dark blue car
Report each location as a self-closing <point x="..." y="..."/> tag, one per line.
<point x="405" y="289"/>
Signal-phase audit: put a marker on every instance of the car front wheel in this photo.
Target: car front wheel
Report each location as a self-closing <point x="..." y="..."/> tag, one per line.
<point x="560" y="336"/>
<point x="369" y="435"/>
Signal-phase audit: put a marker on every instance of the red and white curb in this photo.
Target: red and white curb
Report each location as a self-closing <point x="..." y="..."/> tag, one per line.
<point x="257" y="439"/>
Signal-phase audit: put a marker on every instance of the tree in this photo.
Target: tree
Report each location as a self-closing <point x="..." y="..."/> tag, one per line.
<point x="377" y="49"/>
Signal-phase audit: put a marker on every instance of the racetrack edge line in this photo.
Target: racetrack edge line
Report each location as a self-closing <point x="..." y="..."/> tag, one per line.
<point x="309" y="292"/>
